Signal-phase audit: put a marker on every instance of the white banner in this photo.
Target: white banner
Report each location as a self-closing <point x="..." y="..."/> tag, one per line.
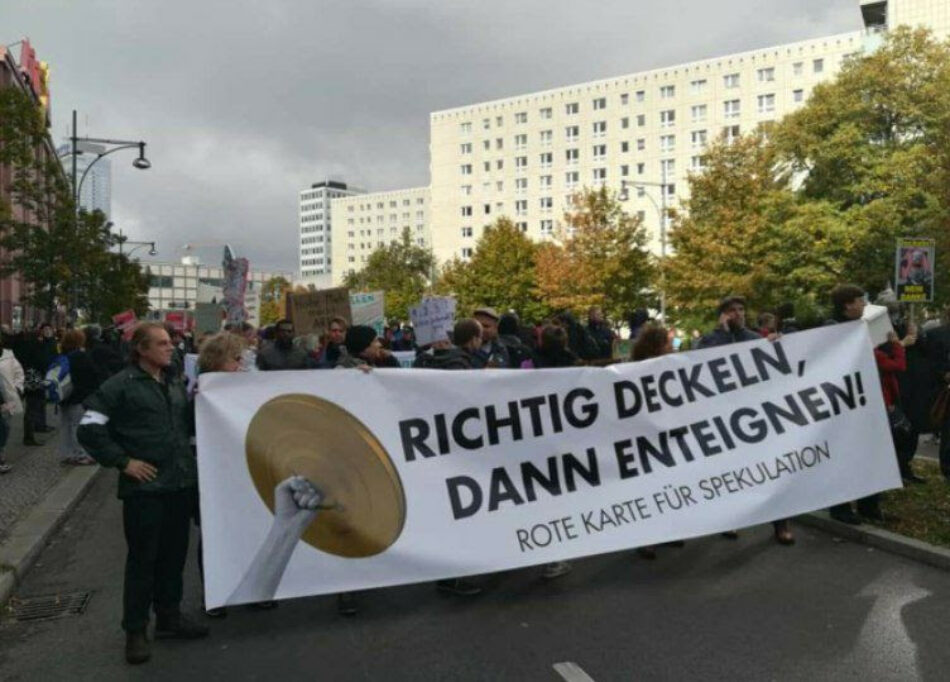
<point x="427" y="474"/>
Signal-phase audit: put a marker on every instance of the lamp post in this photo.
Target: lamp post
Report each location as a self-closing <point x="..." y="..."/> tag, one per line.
<point x="152" y="251"/>
<point x="661" y="209"/>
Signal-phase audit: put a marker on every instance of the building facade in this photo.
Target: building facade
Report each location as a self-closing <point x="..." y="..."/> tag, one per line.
<point x="179" y="286"/>
<point x="316" y="260"/>
<point x="96" y="191"/>
<point x="525" y="156"/>
<point x="366" y="222"/>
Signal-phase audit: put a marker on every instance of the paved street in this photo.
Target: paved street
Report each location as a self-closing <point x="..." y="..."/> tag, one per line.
<point x="716" y="609"/>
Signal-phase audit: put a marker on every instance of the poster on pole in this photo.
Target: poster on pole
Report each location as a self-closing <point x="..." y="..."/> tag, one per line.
<point x="914" y="270"/>
<point x="311" y="312"/>
<point x="207" y="318"/>
<point x="433" y="319"/>
<point x="345" y="485"/>
<point x="368" y="308"/>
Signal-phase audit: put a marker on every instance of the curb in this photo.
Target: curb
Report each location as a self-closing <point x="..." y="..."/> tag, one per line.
<point x="924" y="552"/>
<point x="29" y="535"/>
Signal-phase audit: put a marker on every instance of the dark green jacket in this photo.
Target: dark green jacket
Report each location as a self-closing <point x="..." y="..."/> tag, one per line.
<point x="134" y="416"/>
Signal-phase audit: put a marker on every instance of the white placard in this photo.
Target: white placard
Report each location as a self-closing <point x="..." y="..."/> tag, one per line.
<point x="503" y="469"/>
<point x="433" y="319"/>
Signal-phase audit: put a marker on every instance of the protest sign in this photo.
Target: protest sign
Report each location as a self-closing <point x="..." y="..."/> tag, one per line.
<point x="311" y="312"/>
<point x="125" y="323"/>
<point x="914" y="270"/>
<point x="178" y="320"/>
<point x="207" y="318"/>
<point x="405" y="357"/>
<point x="879" y="323"/>
<point x="428" y="474"/>
<point x="433" y="319"/>
<point x="235" y="286"/>
<point x="369" y="309"/>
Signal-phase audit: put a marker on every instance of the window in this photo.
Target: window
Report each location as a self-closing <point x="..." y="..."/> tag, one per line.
<point x="546" y="181"/>
<point x="731" y="108"/>
<point x="600" y="103"/>
<point x="546" y="137"/>
<point x="547" y="203"/>
<point x="624" y="146"/>
<point x="523" y="226"/>
<point x="667" y="167"/>
<point x="731" y="133"/>
<point x="499" y="143"/>
<point x="521" y="162"/>
<point x="625" y="122"/>
<point x="670" y="190"/>
<point x="600" y="175"/>
<point x="466" y="148"/>
<point x="818" y="65"/>
<point x="766" y="75"/>
<point x="572" y="156"/>
<point x="766" y="104"/>
<point x="641" y="95"/>
<point x="624" y="99"/>
<point x="798" y="68"/>
<point x="487" y="208"/>
<point x="624" y="171"/>
<point x="667" y="92"/>
<point x="698" y="139"/>
<point x="641" y="168"/>
<point x="641" y="145"/>
<point x="521" y="207"/>
<point x="487" y="166"/>
<point x="521" y="185"/>
<point x="521" y="142"/>
<point x="572" y="109"/>
<point x="731" y="80"/>
<point x="798" y="95"/>
<point x="668" y="118"/>
<point x="486" y="145"/>
<point x="521" y="117"/>
<point x="465" y="128"/>
<point x="600" y="152"/>
<point x="499" y="121"/>
<point x="547" y="158"/>
<point x="699" y="113"/>
<point x="667" y="143"/>
<point x="572" y="178"/>
<point x="697" y="164"/>
<point x="572" y="133"/>
<point x="486" y="124"/>
<point x="499" y="164"/>
<point x="547" y="226"/>
<point x="466" y="232"/>
<point x="641" y="120"/>
<point x="466" y="169"/>
<point x="698" y="87"/>
<point x="466" y="252"/>
<point x="545" y="113"/>
<point x="600" y="128"/>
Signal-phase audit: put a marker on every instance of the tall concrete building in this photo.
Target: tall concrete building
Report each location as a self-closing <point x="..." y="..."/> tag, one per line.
<point x="524" y="156"/>
<point x="96" y="192"/>
<point x="368" y="221"/>
<point x="316" y="260"/>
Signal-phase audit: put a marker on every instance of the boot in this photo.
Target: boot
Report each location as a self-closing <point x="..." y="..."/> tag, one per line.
<point x="173" y="625"/>
<point x="137" y="649"/>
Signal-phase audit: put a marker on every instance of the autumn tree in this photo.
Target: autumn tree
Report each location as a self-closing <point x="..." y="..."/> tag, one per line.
<point x="273" y="293"/>
<point x="598" y="256"/>
<point x="401" y="268"/>
<point x="501" y="273"/>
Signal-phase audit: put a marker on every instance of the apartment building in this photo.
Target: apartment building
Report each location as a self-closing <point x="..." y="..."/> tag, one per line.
<point x="315" y="221"/>
<point x="524" y="156"/>
<point x="366" y="222"/>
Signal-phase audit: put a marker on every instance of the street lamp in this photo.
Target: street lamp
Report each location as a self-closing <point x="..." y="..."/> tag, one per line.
<point x="99" y="146"/>
<point x="661" y="209"/>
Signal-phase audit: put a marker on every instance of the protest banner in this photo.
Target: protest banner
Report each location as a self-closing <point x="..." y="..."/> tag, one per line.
<point x="311" y="312"/>
<point x="125" y="323"/>
<point x="878" y="322"/>
<point x="428" y="474"/>
<point x="914" y="270"/>
<point x="235" y="286"/>
<point x="207" y="318"/>
<point x="177" y="319"/>
<point x="369" y="309"/>
<point x="433" y="319"/>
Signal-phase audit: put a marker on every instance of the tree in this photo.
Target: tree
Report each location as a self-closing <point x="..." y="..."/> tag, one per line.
<point x="501" y="273"/>
<point x="273" y="294"/>
<point x="819" y="198"/>
<point x="599" y="258"/>
<point x="401" y="268"/>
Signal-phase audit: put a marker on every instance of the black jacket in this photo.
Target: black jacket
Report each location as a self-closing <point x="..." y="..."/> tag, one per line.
<point x="82" y="373"/>
<point x="445" y="358"/>
<point x="722" y="337"/>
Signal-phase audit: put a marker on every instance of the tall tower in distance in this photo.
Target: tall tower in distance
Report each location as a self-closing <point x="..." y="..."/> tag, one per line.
<point x="316" y="262"/>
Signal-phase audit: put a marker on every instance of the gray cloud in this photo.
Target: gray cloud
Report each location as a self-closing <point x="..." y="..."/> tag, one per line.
<point x="244" y="103"/>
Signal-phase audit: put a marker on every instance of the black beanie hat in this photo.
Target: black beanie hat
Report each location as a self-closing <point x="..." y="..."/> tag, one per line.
<point x="358" y="338"/>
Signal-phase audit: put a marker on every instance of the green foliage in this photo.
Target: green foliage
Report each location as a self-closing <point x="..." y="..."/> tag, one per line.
<point x="273" y="296"/>
<point x="819" y="198"/>
<point x="501" y="273"/>
<point x="402" y="269"/>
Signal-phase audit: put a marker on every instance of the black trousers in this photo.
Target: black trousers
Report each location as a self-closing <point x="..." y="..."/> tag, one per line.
<point x="945" y="449"/>
<point x="870" y="504"/>
<point x="34" y="413"/>
<point x="156" y="532"/>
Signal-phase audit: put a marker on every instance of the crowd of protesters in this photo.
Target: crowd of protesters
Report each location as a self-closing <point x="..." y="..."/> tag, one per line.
<point x="130" y="409"/>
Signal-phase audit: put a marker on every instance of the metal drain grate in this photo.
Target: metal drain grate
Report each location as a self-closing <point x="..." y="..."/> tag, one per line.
<point x="50" y="607"/>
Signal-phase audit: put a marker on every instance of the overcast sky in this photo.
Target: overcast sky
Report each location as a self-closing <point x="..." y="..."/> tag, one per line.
<point x="245" y="103"/>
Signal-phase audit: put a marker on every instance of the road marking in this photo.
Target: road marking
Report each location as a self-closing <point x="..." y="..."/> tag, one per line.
<point x="571" y="672"/>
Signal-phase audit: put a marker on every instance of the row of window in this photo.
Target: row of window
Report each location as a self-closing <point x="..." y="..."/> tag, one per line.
<point x="696" y="87"/>
<point x="379" y="232"/>
<point x="393" y="217"/>
<point x="382" y="204"/>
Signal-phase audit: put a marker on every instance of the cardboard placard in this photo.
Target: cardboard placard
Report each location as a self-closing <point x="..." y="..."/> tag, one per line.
<point x="311" y="312"/>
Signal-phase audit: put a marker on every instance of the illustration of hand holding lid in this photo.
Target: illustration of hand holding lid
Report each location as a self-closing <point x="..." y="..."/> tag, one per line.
<point x="328" y="481"/>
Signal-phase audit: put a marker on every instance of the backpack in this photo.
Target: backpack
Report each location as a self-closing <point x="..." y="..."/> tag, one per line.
<point x="59" y="384"/>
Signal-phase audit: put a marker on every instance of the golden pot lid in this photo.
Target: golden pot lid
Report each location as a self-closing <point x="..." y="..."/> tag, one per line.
<point x="298" y="434"/>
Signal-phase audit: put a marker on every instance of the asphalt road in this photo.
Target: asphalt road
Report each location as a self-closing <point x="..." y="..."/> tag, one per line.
<point x="714" y="610"/>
